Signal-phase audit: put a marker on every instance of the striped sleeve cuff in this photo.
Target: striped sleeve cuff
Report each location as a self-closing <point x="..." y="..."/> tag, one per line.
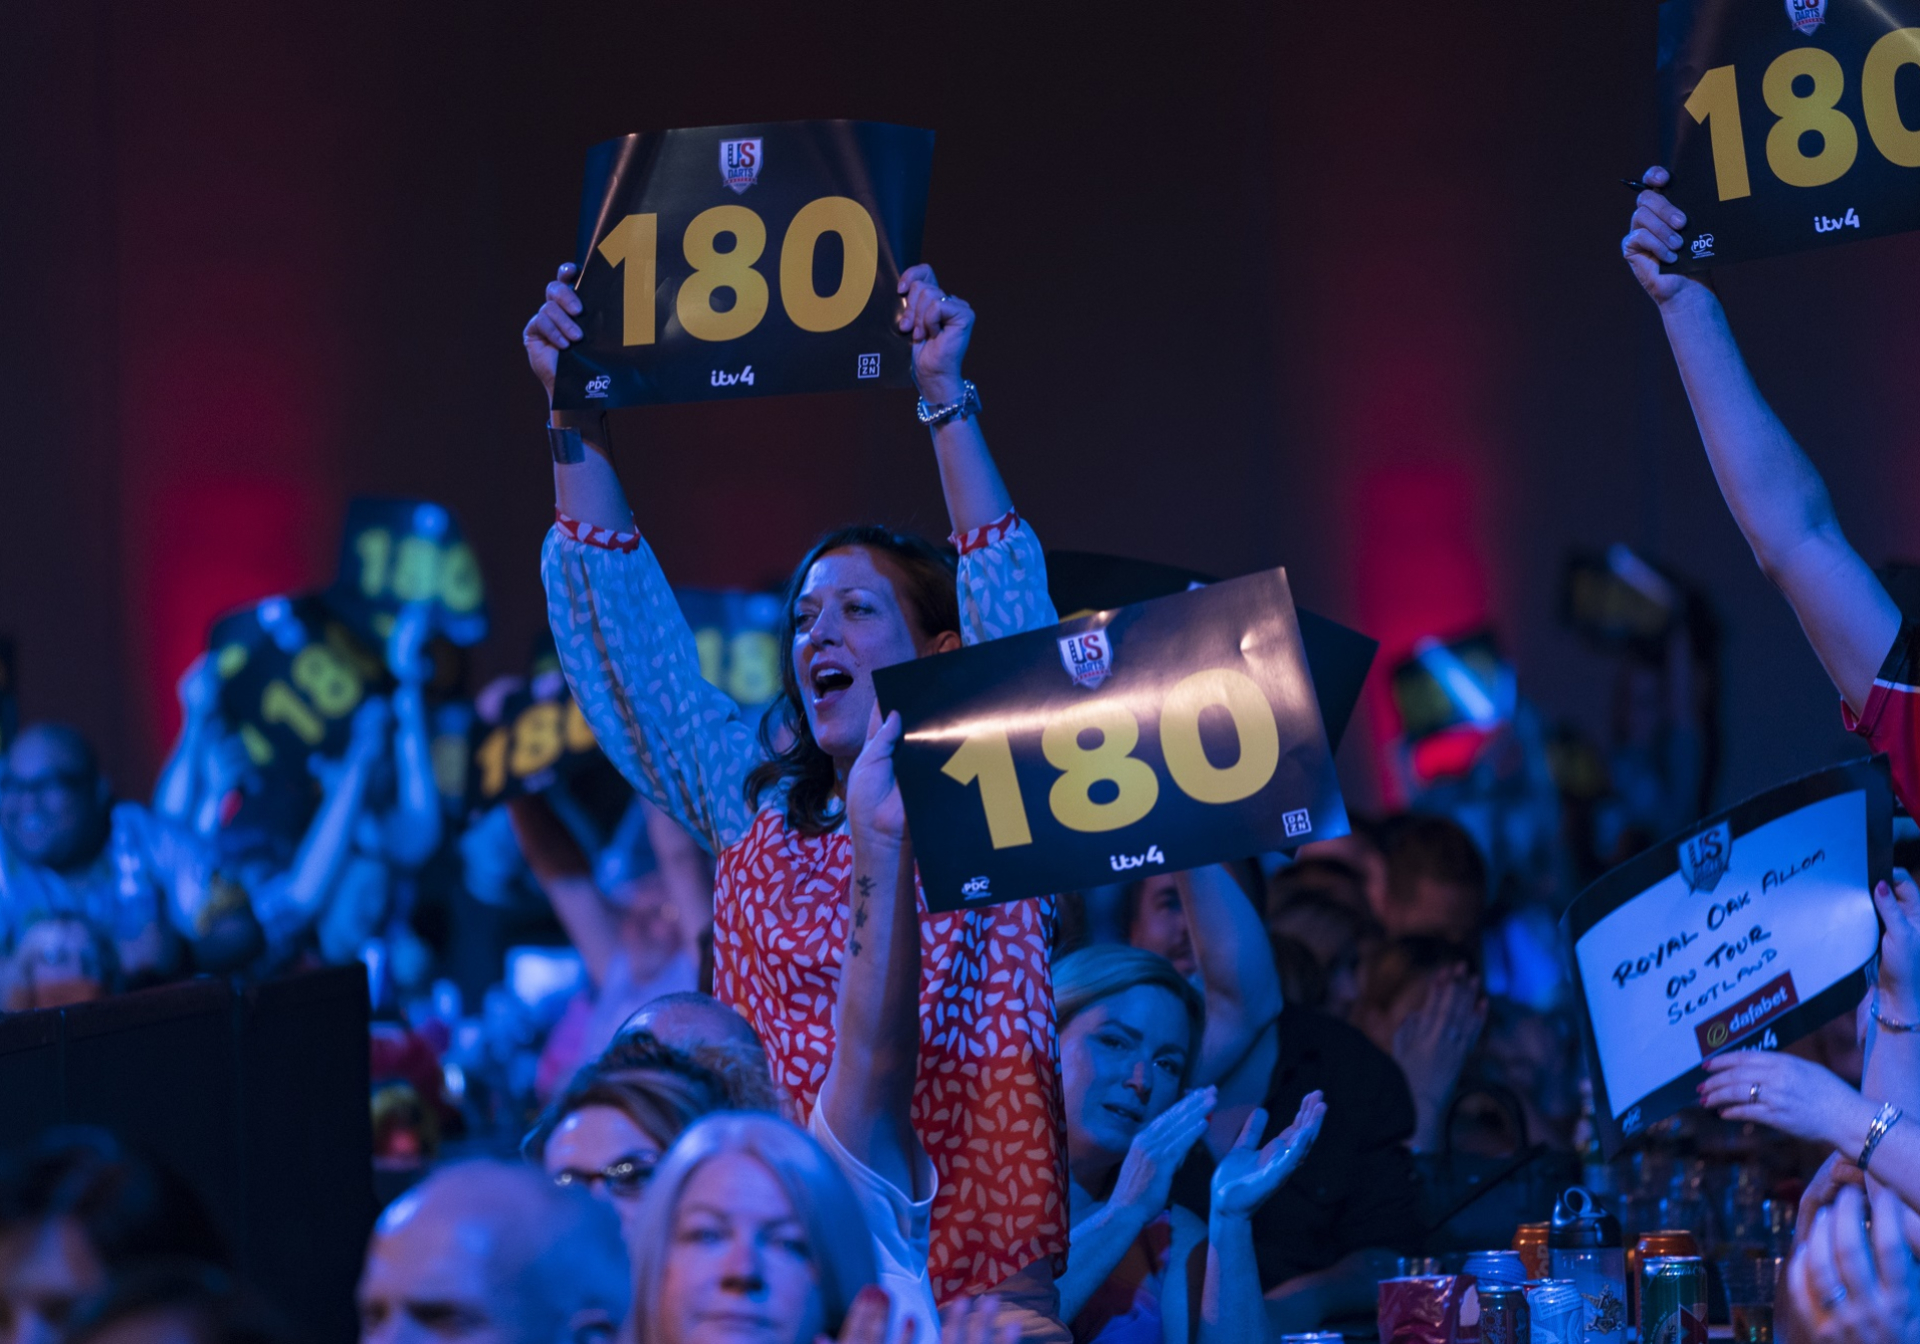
<point x="987" y="534"/>
<point x="603" y="537"/>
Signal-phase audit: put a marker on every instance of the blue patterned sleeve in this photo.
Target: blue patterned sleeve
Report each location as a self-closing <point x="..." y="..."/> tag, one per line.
<point x="1003" y="581"/>
<point x="631" y="662"/>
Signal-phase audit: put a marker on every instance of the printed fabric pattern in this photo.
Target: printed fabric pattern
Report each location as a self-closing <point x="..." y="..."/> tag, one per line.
<point x="987" y="1107"/>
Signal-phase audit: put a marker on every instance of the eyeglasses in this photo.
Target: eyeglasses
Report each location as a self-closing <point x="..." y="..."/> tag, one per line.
<point x="625" y="1177"/>
<point x="42" y="788"/>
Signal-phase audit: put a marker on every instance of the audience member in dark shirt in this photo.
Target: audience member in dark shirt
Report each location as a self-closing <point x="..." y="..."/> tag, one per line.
<point x="1355" y="1193"/>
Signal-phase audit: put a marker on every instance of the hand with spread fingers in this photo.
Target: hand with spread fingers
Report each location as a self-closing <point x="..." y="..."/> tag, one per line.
<point x="1849" y="1284"/>
<point x="1146" y="1177"/>
<point x="1791" y="1094"/>
<point x="941" y="327"/>
<point x="1248" y="1175"/>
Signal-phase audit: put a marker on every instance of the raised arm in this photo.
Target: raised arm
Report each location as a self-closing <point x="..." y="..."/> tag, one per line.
<point x="413" y="830"/>
<point x="1777" y="497"/>
<point x="869" y="1085"/>
<point x="1232" y="1311"/>
<point x="288" y="902"/>
<point x="585" y="485"/>
<point x="942" y="327"/>
<point x="1236" y="968"/>
<point x="622" y="641"/>
<point x="177" y="791"/>
<point x="565" y="874"/>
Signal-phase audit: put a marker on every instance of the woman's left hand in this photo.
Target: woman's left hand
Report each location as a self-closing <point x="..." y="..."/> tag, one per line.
<point x="1247" y="1176"/>
<point x="1791" y="1094"/>
<point x="976" y="1320"/>
<point x="1844" y="1290"/>
<point x="874" y="808"/>
<point x="941" y="327"/>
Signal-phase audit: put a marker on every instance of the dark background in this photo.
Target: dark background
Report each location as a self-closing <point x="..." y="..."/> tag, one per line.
<point x="1334" y="286"/>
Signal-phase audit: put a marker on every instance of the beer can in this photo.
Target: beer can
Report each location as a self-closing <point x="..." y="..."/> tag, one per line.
<point x="1666" y="1241"/>
<point x="1503" y="1314"/>
<point x="1530" y="1240"/>
<point x="1673" y="1299"/>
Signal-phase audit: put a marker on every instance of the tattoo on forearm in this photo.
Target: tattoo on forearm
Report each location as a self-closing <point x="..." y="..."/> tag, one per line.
<point x="865" y="884"/>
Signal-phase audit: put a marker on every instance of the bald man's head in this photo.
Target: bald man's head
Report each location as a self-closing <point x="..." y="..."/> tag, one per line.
<point x="713" y="1034"/>
<point x="53" y="802"/>
<point x="493" y="1253"/>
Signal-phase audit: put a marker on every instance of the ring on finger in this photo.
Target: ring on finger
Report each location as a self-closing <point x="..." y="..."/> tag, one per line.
<point x="1834" y="1298"/>
<point x="1753" y="1095"/>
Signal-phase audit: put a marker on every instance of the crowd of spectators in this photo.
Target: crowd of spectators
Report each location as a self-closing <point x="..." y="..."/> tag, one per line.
<point x="607" y="1099"/>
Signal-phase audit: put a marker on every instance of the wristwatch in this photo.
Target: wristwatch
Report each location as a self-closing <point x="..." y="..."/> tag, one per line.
<point x="969" y="404"/>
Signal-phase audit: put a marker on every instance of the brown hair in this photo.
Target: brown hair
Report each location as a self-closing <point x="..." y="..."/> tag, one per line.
<point x="926" y="589"/>
<point x="659" y="1088"/>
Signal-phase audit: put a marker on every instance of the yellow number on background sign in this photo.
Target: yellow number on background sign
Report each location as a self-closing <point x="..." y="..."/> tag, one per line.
<point x="492" y="756"/>
<point x="333" y="686"/>
<point x="460" y="587"/>
<point x="536" y="739"/>
<point x="988" y="758"/>
<point x="1071" y="798"/>
<point x="1818" y="112"/>
<point x="860" y="243"/>
<point x="633" y="244"/>
<point x="714" y="270"/>
<point x="1198" y="777"/>
<point x="375" y="546"/>
<point x="1716" y="101"/>
<point x="1891" y="136"/>
<point x="280" y="703"/>
<point x="579" y="733"/>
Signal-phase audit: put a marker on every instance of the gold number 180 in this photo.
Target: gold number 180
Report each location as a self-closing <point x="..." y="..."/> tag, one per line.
<point x="1715" y="102"/>
<point x="633" y="245"/>
<point x="986" y="758"/>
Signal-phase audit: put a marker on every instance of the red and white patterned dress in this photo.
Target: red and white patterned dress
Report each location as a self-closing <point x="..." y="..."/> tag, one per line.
<point x="987" y="1104"/>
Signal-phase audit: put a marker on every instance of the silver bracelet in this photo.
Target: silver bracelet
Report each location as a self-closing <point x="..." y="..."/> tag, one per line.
<point x="566" y="445"/>
<point x="1889" y="1117"/>
<point x="1888" y="1024"/>
<point x="969" y="404"/>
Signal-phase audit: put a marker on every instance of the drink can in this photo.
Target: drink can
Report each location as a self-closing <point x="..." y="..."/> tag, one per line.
<point x="1558" y="1312"/>
<point x="1666" y="1241"/>
<point x="1673" y="1299"/>
<point x="1503" y="1314"/>
<point x="1314" y="1337"/>
<point x="1530" y="1241"/>
<point x="1495" y="1266"/>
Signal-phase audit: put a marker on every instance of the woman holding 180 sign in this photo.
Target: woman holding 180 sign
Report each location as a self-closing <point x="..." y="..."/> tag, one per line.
<point x="986" y="1105"/>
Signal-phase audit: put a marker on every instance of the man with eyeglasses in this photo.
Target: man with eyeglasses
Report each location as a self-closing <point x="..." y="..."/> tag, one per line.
<point x="68" y="850"/>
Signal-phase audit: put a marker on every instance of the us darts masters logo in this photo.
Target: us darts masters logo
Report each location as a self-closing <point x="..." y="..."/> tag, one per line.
<point x="1704" y="857"/>
<point x="1088" y="657"/>
<point x="1806" y="15"/>
<point x="740" y="163"/>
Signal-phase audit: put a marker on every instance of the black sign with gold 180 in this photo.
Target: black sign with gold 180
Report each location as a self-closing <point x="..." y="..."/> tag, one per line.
<point x="741" y="261"/>
<point x="1152" y="738"/>
<point x="1789" y="124"/>
<point x="291" y="676"/>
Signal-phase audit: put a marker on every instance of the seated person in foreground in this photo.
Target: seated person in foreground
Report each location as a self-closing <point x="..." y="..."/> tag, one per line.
<point x="1130" y="1031"/>
<point x="494" y="1251"/>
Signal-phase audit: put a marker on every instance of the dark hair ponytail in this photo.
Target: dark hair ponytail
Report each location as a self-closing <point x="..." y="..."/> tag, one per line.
<point x="927" y="594"/>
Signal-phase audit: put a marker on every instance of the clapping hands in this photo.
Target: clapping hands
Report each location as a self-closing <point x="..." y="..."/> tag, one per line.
<point x="1247" y="1176"/>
